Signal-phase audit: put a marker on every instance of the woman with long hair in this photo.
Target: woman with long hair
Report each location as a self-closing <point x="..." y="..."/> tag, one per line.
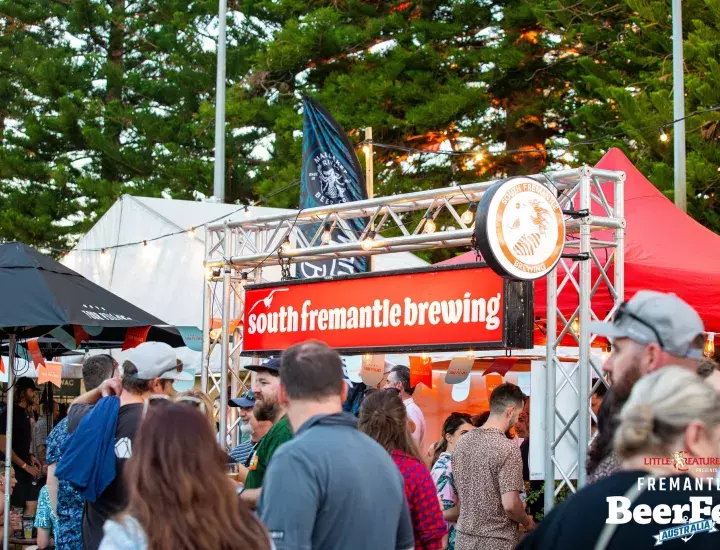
<point x="180" y="495"/>
<point x="455" y="426"/>
<point x="383" y="417"/>
<point x="666" y="441"/>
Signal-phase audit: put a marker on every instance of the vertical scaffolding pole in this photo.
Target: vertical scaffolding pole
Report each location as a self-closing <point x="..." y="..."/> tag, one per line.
<point x="584" y="316"/>
<point x="206" y="323"/>
<point x="8" y="440"/>
<point x="619" y="264"/>
<point x="550" y="390"/>
<point x="225" y="343"/>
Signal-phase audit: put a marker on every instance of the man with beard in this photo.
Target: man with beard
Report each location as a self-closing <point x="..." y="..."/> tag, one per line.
<point x="651" y="331"/>
<point x="266" y="388"/>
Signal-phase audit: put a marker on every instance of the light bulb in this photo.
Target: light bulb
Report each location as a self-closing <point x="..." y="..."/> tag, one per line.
<point x="247" y="212"/>
<point x="104" y="252"/>
<point x="366" y="149"/>
<point x="285" y="247"/>
<point x="191" y="233"/>
<point x="209" y="273"/>
<point x="664" y="137"/>
<point x="144" y="243"/>
<point x="575" y="326"/>
<point x="710" y="345"/>
<point x="567" y="157"/>
<point x="479" y="157"/>
<point x="469" y="214"/>
<point x="369" y="241"/>
<point x="429" y="226"/>
<point x="471" y="354"/>
<point x="327" y="234"/>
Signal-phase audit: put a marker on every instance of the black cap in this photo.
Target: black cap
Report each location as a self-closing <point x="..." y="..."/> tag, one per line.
<point x="272" y="364"/>
<point x="247" y="401"/>
<point x="25" y="383"/>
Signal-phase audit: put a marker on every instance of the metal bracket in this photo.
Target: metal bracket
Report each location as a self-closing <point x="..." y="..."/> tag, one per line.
<point x="577" y="214"/>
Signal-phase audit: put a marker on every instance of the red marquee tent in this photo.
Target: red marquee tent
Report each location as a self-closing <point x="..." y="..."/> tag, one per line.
<point x="665" y="250"/>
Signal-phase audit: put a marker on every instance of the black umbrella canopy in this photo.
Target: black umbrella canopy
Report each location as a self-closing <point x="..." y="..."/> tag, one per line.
<point x="38" y="294"/>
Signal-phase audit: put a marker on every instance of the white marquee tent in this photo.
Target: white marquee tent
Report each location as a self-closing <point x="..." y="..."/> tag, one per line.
<point x="165" y="277"/>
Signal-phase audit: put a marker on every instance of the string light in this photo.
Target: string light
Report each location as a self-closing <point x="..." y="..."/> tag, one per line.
<point x="144" y="243"/>
<point x="286" y="246"/>
<point x="366" y="149"/>
<point x="710" y="345"/>
<point x="663" y="136"/>
<point x="479" y="157"/>
<point x="191" y="233"/>
<point x="575" y="326"/>
<point x="429" y="224"/>
<point x="104" y="252"/>
<point x="369" y="241"/>
<point x="568" y="157"/>
<point x="469" y="214"/>
<point x="471" y="354"/>
<point x="327" y="234"/>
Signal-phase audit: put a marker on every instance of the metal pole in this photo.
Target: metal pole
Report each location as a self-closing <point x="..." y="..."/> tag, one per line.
<point x="584" y="317"/>
<point x="369" y="178"/>
<point x="619" y="263"/>
<point x="225" y="343"/>
<point x="679" y="108"/>
<point x="550" y="391"/>
<point x="8" y="441"/>
<point x="219" y="181"/>
<point x="207" y="320"/>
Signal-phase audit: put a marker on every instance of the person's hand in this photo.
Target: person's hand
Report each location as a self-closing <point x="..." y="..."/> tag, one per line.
<point x="529" y="524"/>
<point x="35" y="462"/>
<point x="31" y="470"/>
<point x="111" y="386"/>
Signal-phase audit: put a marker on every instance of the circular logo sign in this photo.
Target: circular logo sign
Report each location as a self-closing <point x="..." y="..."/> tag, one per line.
<point x="328" y="178"/>
<point x="520" y="228"/>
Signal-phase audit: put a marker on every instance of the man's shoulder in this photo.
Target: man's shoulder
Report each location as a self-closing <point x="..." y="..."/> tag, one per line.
<point x="280" y="431"/>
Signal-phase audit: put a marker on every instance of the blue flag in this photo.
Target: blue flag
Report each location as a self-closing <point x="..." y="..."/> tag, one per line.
<point x="331" y="174"/>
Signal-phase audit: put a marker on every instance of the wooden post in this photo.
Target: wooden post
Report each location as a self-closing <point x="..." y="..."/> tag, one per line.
<point x="369" y="176"/>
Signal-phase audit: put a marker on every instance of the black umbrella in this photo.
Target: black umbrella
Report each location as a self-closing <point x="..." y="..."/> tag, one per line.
<point x="37" y="295"/>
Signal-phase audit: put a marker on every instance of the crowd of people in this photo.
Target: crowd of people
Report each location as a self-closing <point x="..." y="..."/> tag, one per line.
<point x="322" y="465"/>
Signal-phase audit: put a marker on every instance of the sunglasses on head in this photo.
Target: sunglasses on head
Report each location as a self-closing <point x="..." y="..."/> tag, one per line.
<point x="623" y="311"/>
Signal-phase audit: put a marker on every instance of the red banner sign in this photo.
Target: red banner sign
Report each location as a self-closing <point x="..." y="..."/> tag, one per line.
<point x="459" y="308"/>
<point x="134" y="337"/>
<point x="420" y="371"/>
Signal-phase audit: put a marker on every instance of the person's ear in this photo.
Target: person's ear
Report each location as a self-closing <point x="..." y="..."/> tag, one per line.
<point x="652" y="355"/>
<point x="697" y="440"/>
<point x="282" y="396"/>
<point x="344" y="392"/>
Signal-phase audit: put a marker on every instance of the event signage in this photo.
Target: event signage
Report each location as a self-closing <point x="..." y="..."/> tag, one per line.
<point x="520" y="229"/>
<point x="463" y="307"/>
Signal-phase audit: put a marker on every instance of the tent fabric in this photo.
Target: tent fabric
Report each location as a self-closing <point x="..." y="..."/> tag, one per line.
<point x="665" y="250"/>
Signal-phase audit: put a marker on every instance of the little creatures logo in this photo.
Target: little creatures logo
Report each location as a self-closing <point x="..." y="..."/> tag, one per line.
<point x="683" y="462"/>
<point x="331" y="178"/>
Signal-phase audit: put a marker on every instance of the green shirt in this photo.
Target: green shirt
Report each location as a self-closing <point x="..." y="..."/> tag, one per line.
<point x="278" y="434"/>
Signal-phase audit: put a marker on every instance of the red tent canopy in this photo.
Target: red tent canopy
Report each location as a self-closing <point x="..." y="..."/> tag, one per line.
<point x="665" y="250"/>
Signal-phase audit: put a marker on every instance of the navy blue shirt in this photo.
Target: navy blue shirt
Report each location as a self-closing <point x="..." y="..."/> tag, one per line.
<point x="334" y="487"/>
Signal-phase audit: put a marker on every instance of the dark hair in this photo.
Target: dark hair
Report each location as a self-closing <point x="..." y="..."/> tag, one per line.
<point x="95" y="370"/>
<point x="504" y="396"/>
<point x="402" y="373"/>
<point x="135" y="385"/>
<point x="480" y="419"/>
<point x="311" y="370"/>
<point x="450" y="426"/>
<point x="186" y="486"/>
<point x="607" y="422"/>
<point x="601" y="391"/>
<point x="384" y="418"/>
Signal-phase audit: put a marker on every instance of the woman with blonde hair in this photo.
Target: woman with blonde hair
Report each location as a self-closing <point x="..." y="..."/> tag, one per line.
<point x="667" y="440"/>
<point x="199" y="400"/>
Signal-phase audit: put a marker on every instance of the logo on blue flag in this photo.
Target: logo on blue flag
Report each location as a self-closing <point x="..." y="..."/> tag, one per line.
<point x="331" y="174"/>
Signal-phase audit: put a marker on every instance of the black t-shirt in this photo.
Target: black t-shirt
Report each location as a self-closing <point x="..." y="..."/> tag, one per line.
<point x="576" y="524"/>
<point x="21" y="432"/>
<point x="114" y="498"/>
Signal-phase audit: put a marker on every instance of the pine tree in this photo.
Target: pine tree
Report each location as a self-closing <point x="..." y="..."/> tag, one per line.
<point x="105" y="98"/>
<point x="620" y="61"/>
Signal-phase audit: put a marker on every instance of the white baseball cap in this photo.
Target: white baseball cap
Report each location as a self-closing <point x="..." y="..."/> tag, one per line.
<point x="156" y="360"/>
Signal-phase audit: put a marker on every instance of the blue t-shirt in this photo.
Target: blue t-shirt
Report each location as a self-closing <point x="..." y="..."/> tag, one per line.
<point x="333" y="487"/>
<point x="68" y="532"/>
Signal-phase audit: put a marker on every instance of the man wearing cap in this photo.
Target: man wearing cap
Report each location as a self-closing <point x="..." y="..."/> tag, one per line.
<point x="266" y="388"/>
<point x="651" y="331"/>
<point x="26" y="465"/>
<point x="149" y="369"/>
<point x="245" y="405"/>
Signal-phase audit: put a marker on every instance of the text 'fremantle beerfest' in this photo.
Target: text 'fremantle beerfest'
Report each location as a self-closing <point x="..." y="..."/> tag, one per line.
<point x="381" y="314"/>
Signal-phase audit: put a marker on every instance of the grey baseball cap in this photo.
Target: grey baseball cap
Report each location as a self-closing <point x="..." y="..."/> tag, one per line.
<point x="656" y="317"/>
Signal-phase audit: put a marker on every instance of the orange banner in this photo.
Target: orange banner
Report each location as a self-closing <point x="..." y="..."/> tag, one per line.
<point x="217" y="323"/>
<point x="501" y="365"/>
<point x="134" y="337"/>
<point x="2" y="366"/>
<point x="80" y="335"/>
<point x="50" y="372"/>
<point x="34" y="349"/>
<point x="420" y="371"/>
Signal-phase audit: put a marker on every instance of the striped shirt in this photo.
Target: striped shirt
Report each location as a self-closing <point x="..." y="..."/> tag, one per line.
<point x="242" y="451"/>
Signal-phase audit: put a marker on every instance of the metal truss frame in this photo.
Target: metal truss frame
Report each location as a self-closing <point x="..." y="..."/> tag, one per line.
<point x="238" y="252"/>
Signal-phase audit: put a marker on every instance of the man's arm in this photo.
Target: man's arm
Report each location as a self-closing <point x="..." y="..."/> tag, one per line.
<point x="250" y="497"/>
<point x="289" y="501"/>
<point x="19" y="461"/>
<point x="511" y="484"/>
<point x="52" y="485"/>
<point x="112" y="386"/>
<point x="515" y="509"/>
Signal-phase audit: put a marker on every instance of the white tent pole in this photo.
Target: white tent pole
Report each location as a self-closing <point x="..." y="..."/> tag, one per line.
<point x="8" y="441"/>
<point x="219" y="176"/>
